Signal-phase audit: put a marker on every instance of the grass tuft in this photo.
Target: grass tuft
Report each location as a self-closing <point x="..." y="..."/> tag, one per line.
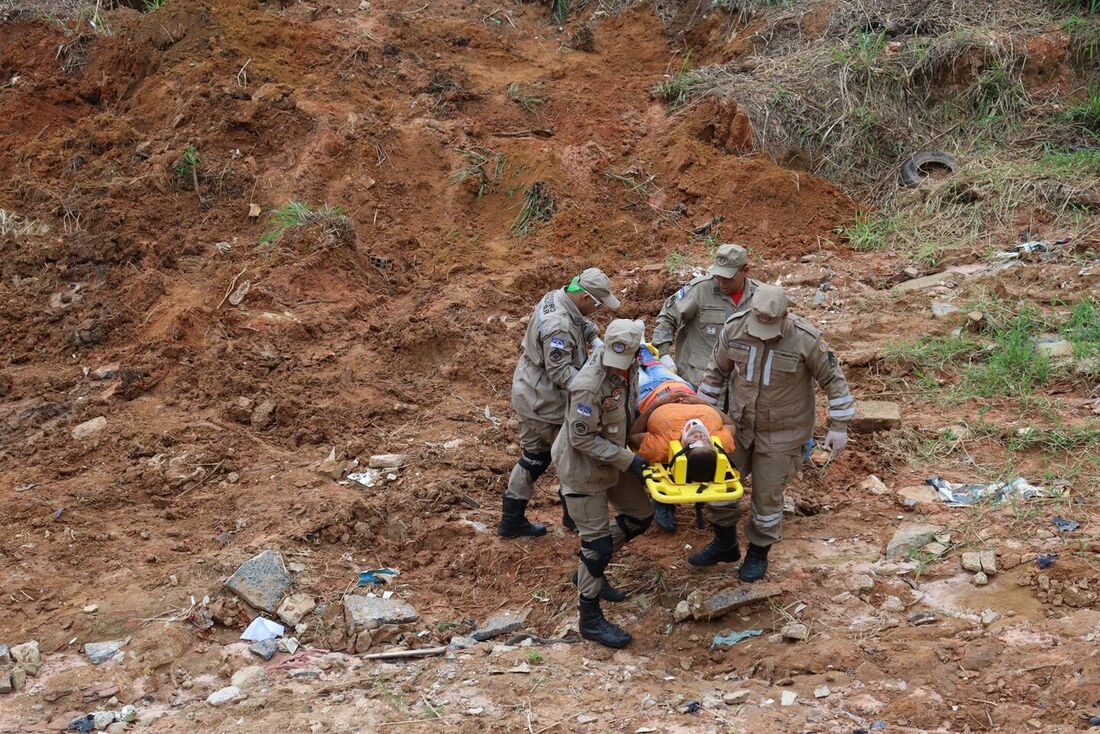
<point x="676" y="90"/>
<point x="538" y="206"/>
<point x="527" y="97"/>
<point x="296" y="214"/>
<point x="870" y="231"/>
<point x="484" y="167"/>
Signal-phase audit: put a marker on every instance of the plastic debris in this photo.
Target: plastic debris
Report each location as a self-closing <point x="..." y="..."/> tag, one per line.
<point x="734" y="637"/>
<point x="1064" y="525"/>
<point x="961" y="495"/>
<point x="1046" y="559"/>
<point x="1027" y="248"/>
<point x="367" y="478"/>
<point x="262" y="629"/>
<point x="377" y="576"/>
<point x="692" y="707"/>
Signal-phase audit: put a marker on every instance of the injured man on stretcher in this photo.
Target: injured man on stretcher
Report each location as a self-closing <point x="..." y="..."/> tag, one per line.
<point x="669" y="410"/>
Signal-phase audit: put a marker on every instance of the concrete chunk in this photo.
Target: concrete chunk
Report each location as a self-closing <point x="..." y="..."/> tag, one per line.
<point x="875" y="415"/>
<point x="500" y="624"/>
<point x="101" y="652"/>
<point x="388" y="461"/>
<point x="27" y="655"/>
<point x="726" y="601"/>
<point x="295" y="607"/>
<point x="365" y="613"/>
<point x="262" y="581"/>
<point x="910" y="536"/>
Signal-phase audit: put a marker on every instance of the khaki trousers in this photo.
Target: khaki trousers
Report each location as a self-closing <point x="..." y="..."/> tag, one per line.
<point x="590" y="512"/>
<point x="535" y="437"/>
<point x="770" y="474"/>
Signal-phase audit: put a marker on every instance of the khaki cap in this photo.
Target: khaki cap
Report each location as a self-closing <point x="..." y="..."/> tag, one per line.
<point x="596" y="284"/>
<point x="621" y="342"/>
<point x="769" y="301"/>
<point x="728" y="260"/>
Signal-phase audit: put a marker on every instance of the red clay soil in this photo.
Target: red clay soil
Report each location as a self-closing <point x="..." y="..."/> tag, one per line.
<point x="393" y="330"/>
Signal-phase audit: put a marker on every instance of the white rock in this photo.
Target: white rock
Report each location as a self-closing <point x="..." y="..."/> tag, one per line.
<point x="893" y="604"/>
<point x="87" y="429"/>
<point x="127" y="714"/>
<point x="736" y="697"/>
<point x="787" y="698"/>
<point x="795" y="631"/>
<point x="821" y="692"/>
<point x="682" y="611"/>
<point x="989" y="617"/>
<point x="388" y="461"/>
<point x="295" y="607"/>
<point x="874" y="485"/>
<point x="253" y="676"/>
<point x="860" y="582"/>
<point x="979" y="579"/>
<point x="225" y="695"/>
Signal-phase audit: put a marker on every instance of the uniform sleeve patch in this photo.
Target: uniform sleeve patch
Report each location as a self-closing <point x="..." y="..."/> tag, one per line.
<point x="823" y="346"/>
<point x="557" y="343"/>
<point x="584" y="409"/>
<point x="557" y="355"/>
<point x="681" y="293"/>
<point x="581" y="429"/>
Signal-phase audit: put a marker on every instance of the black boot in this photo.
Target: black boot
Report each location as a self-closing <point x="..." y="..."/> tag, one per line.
<point x="566" y="521"/>
<point x="756" y="563"/>
<point x="514" y="525"/>
<point x="607" y="591"/>
<point x="665" y="516"/>
<point x="594" y="627"/>
<point x="723" y="549"/>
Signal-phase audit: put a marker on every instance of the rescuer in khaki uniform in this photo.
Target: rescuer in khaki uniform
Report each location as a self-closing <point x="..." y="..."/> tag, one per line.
<point x="692" y="318"/>
<point x="596" y="467"/>
<point x="770" y="360"/>
<point x="555" y="347"/>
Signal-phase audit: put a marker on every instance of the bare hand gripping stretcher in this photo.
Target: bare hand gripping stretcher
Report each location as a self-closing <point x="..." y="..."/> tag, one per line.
<point x="668" y="483"/>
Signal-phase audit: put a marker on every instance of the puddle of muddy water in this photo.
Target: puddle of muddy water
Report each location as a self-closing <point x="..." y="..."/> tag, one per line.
<point x="957" y="595"/>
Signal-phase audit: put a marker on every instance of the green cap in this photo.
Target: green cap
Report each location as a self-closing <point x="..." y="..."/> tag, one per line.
<point x="770" y="303"/>
<point x="621" y="342"/>
<point x="728" y="260"/>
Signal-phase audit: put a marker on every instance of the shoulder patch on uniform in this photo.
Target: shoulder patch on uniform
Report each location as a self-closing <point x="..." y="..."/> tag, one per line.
<point x="823" y="346"/>
<point x="584" y="409"/>
<point x="557" y="342"/>
<point x="580" y="428"/>
<point x="557" y="355"/>
<point x="681" y="293"/>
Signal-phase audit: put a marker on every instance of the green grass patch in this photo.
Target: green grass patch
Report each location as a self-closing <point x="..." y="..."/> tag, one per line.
<point x="934" y="354"/>
<point x="870" y="231"/>
<point x="186" y="166"/>
<point x="1087" y="112"/>
<point x="1083" y="329"/>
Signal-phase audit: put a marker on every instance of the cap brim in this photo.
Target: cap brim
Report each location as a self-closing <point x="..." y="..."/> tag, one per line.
<point x="611" y="302"/>
<point x="724" y="272"/>
<point x="618" y="361"/>
<point x="764" y="331"/>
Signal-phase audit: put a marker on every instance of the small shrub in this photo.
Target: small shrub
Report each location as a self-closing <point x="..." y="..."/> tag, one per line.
<point x="186" y="167"/>
<point x="534" y="657"/>
<point x="149" y="6"/>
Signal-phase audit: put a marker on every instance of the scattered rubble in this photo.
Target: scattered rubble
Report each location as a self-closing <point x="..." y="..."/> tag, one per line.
<point x="717" y="605"/>
<point x="295" y="607"/>
<point x="87" y="429"/>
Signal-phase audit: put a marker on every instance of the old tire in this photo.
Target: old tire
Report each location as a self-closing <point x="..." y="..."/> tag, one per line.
<point x="919" y="166"/>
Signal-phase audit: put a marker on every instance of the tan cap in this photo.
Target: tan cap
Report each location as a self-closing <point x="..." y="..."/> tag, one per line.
<point x="621" y="342"/>
<point x="728" y="260"/>
<point x="770" y="303"/>
<point x="596" y="284"/>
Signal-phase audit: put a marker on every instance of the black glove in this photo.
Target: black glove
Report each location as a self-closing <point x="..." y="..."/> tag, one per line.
<point x="638" y="466"/>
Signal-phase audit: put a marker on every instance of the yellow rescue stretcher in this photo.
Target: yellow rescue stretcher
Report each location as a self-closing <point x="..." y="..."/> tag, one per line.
<point x="668" y="483"/>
